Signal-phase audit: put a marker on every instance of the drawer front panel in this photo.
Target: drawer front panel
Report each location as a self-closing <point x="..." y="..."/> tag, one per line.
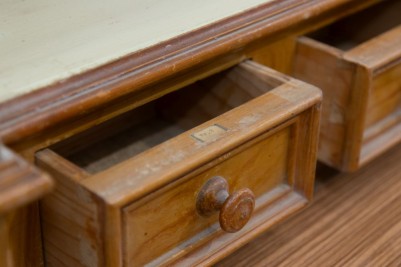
<point x="385" y="98"/>
<point x="382" y="128"/>
<point x="169" y="217"/>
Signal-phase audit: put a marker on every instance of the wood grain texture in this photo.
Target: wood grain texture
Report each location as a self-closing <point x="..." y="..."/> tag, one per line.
<point x="266" y="111"/>
<point x="70" y="216"/>
<point x="248" y="166"/>
<point x="72" y="99"/>
<point x="90" y="118"/>
<point x="382" y="109"/>
<point x="165" y="118"/>
<point x="384" y="103"/>
<point x="321" y="65"/>
<point x="278" y="55"/>
<point x="358" y="72"/>
<point x="20" y="182"/>
<point x="37" y="120"/>
<point x="259" y="113"/>
<point x="355" y="220"/>
<point x="20" y="242"/>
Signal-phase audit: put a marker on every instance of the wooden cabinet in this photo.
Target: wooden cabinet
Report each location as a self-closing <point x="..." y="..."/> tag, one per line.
<point x="357" y="64"/>
<point x="133" y="198"/>
<point x="168" y="143"/>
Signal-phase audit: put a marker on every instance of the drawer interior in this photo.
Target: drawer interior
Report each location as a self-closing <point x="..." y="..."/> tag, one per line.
<point x="162" y="119"/>
<point x="361" y="27"/>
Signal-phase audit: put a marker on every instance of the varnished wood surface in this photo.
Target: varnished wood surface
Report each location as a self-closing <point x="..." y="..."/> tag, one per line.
<point x="20" y="238"/>
<point x="358" y="72"/>
<point x="312" y="57"/>
<point x="125" y="79"/>
<point x="261" y="113"/>
<point x="355" y="220"/>
<point x="149" y="199"/>
<point x="174" y="209"/>
<point x="235" y="209"/>
<point x="69" y="217"/>
<point x="20" y="182"/>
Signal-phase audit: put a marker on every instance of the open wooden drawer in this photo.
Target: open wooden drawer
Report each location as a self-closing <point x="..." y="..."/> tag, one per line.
<point x="157" y="186"/>
<point x="357" y="64"/>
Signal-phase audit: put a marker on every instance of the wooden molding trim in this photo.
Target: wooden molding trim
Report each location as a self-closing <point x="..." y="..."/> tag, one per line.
<point x="46" y="107"/>
<point x="20" y="182"/>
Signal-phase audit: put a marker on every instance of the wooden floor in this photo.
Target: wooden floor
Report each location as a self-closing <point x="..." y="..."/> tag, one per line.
<point x="355" y="220"/>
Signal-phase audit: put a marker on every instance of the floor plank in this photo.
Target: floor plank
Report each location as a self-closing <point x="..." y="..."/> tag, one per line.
<point x="355" y="220"/>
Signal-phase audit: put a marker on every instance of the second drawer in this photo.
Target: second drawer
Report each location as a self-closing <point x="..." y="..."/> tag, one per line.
<point x="357" y="64"/>
<point x="186" y="178"/>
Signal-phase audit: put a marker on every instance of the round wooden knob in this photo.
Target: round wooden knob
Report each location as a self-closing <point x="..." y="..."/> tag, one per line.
<point x="235" y="209"/>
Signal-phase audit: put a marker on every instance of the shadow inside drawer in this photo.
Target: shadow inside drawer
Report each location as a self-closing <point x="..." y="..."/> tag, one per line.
<point x="361" y="27"/>
<point x="162" y="119"/>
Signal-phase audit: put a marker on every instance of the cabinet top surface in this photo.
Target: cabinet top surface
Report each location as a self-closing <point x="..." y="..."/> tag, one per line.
<point x="45" y="41"/>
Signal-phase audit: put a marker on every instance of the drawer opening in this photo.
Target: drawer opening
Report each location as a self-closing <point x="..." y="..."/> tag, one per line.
<point x="361" y="27"/>
<point x="155" y="122"/>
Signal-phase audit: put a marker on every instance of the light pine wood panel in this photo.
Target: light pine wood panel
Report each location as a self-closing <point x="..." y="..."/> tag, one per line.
<point x="355" y="220"/>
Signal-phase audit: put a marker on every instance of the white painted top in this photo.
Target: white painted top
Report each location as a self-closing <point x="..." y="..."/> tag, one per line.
<point x="43" y="41"/>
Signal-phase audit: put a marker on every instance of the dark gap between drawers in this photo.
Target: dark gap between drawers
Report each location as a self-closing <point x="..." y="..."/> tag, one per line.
<point x="356" y="29"/>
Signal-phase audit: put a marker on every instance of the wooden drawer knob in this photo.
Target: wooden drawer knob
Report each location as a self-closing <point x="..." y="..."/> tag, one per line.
<point x="235" y="209"/>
